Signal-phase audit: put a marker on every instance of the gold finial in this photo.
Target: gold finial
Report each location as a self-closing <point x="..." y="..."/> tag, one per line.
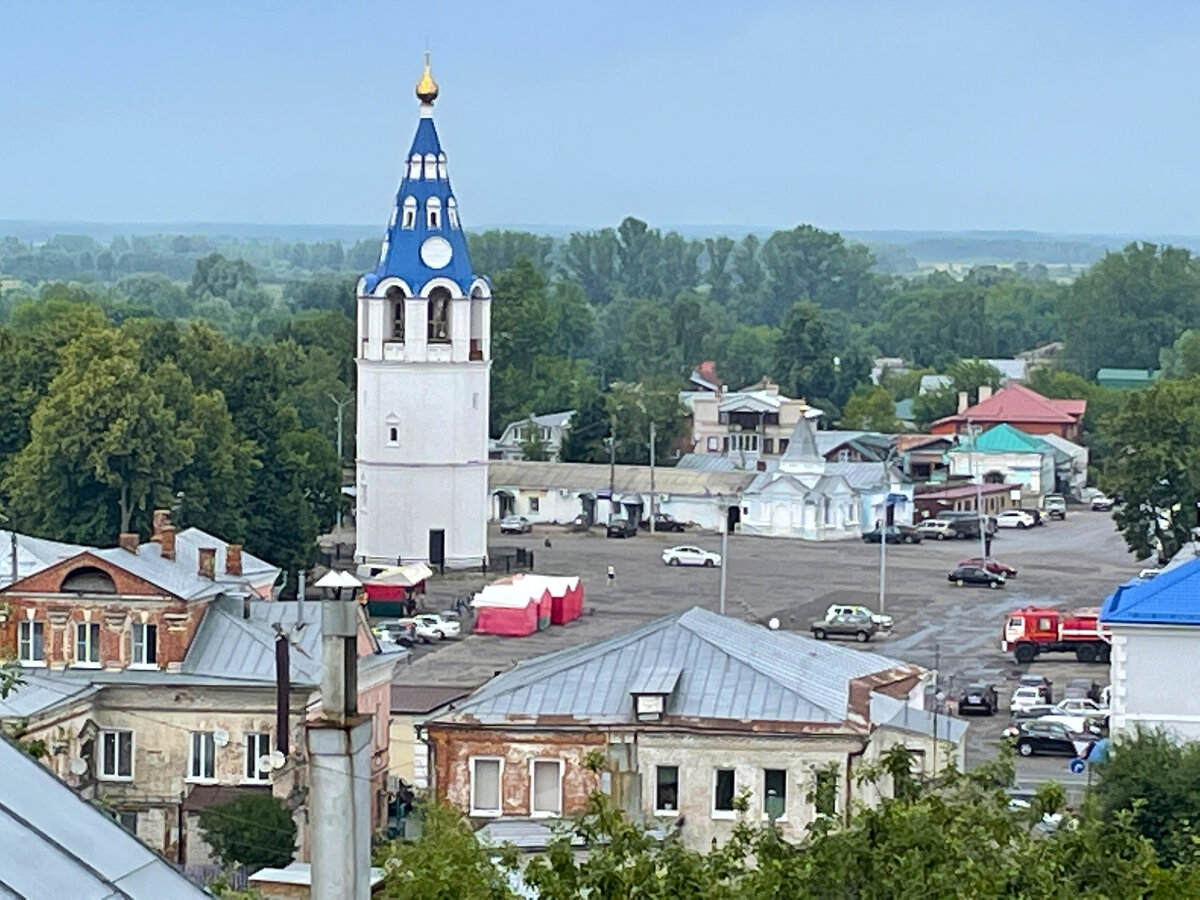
<point x="427" y="89"/>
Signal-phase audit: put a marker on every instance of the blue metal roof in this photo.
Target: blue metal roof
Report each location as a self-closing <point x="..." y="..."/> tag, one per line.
<point x="400" y="254"/>
<point x="1171" y="598"/>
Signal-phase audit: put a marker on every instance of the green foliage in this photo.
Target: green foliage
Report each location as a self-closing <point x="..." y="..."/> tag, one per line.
<point x="635" y="406"/>
<point x="254" y="830"/>
<point x="803" y="357"/>
<point x="1182" y="358"/>
<point x="870" y="409"/>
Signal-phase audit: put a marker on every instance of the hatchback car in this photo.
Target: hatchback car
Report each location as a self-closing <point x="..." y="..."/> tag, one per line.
<point x="662" y="523"/>
<point x="980" y="698"/>
<point x="1043" y="684"/>
<point x="992" y="565"/>
<point x="939" y="529"/>
<point x="859" y="627"/>
<point x="432" y="627"/>
<point x="1026" y="698"/>
<point x="690" y="556"/>
<point x="515" y="525"/>
<point x="1050" y="739"/>
<point x="964" y="575"/>
<point x="621" y="528"/>
<point x="843" y="609"/>
<point x="1014" y="518"/>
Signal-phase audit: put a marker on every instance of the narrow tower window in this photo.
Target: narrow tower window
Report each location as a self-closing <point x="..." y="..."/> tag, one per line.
<point x="414" y="167"/>
<point x="395" y="298"/>
<point x="430" y="167"/>
<point x="452" y="212"/>
<point x="433" y="208"/>
<point x="410" y="212"/>
<point x="442" y="166"/>
<point x="439" y="315"/>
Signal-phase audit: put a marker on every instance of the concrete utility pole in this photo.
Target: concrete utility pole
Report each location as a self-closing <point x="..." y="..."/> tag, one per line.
<point x="340" y="404"/>
<point x="883" y="561"/>
<point x="339" y="751"/>
<point x="977" y="477"/>
<point x="612" y="465"/>
<point x="652" y="478"/>
<point x="724" y="549"/>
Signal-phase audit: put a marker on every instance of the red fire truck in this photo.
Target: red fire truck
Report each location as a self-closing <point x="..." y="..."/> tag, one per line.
<point x="1038" y="629"/>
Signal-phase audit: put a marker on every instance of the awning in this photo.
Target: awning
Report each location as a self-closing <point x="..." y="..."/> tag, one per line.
<point x="403" y="576"/>
<point x="504" y="492"/>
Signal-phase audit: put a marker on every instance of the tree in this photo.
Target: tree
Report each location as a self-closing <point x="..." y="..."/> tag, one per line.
<point x="533" y="445"/>
<point x="255" y="830"/>
<point x="819" y="265"/>
<point x="970" y="375"/>
<point x="216" y="276"/>
<point x="933" y="405"/>
<point x="635" y="405"/>
<point x="1155" y="466"/>
<point x="871" y="409"/>
<point x="803" y="358"/>
<point x="1182" y="358"/>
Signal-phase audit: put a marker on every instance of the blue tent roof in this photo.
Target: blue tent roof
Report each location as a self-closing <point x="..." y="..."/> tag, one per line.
<point x="401" y="251"/>
<point x="1171" y="598"/>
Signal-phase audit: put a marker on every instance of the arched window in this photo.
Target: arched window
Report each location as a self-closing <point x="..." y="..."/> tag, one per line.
<point x="395" y="308"/>
<point x="430" y="167"/>
<point x="410" y="212"/>
<point x="383" y="249"/>
<point x="439" y="315"/>
<point x="414" y="167"/>
<point x="442" y="166"/>
<point x="88" y="580"/>
<point x="452" y="212"/>
<point x="433" y="211"/>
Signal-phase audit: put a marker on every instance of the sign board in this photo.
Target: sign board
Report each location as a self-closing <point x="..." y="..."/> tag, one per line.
<point x="1078" y="766"/>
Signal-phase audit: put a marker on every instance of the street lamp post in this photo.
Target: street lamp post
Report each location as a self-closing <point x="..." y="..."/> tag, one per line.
<point x="341" y="405"/>
<point x="977" y="477"/>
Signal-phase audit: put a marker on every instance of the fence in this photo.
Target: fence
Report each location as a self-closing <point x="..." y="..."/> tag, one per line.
<point x="203" y="875"/>
<point x="505" y="560"/>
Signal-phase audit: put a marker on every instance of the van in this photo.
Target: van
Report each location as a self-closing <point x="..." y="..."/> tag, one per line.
<point x="965" y="523"/>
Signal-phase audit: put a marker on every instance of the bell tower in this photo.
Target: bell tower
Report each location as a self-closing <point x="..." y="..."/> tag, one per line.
<point x="423" y="357"/>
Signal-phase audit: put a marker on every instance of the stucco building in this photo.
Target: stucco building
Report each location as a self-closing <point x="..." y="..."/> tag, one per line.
<point x="1019" y="406"/>
<point x="747" y="425"/>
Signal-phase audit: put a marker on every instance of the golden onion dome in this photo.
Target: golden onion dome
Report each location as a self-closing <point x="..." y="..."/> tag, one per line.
<point x="427" y="89"/>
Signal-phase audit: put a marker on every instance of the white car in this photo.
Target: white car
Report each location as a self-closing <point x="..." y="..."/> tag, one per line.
<point x="839" y="609"/>
<point x="690" y="556"/>
<point x="432" y="627"/>
<point x="1102" y="503"/>
<point x="937" y="528"/>
<point x="1026" y="698"/>
<point x="1079" y="706"/>
<point x="1014" y="518"/>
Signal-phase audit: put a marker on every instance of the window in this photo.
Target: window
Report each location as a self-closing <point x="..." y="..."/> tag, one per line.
<point x="485" y="786"/>
<point x="843" y="456"/>
<point x="475" y="400"/>
<point x="430" y="167"/>
<point x="116" y="754"/>
<point x="393" y="436"/>
<point x="127" y="819"/>
<point x="725" y="445"/>
<point x="774" y="793"/>
<point x="433" y="210"/>
<point x="547" y="788"/>
<point x="414" y="167"/>
<point x="258" y="744"/>
<point x="769" y="446"/>
<point x="783" y="444"/>
<point x="534" y="504"/>
<point x="202" y="759"/>
<point x="442" y="167"/>
<point x="723" y="789"/>
<point x="410" y="212"/>
<point x="439" y="315"/>
<point x="31" y="643"/>
<point x="713" y="444"/>
<point x="825" y="792"/>
<point x="827" y="512"/>
<point x="87" y="643"/>
<point x="666" y="789"/>
<point x="145" y="645"/>
<point x="395" y="298"/>
<point x="452" y="212"/>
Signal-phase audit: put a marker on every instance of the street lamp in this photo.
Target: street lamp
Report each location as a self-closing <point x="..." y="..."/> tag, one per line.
<point x="974" y="431"/>
<point x="341" y="405"/>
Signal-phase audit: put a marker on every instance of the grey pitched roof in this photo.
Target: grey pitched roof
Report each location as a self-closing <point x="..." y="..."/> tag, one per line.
<point x="628" y="479"/>
<point x="802" y="447"/>
<point x="41" y="692"/>
<point x="862" y="475"/>
<point x="730" y="670"/>
<point x="33" y="555"/>
<point x="54" y="844"/>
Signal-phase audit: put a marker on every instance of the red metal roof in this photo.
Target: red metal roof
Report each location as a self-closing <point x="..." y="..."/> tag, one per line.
<point x="1017" y="403"/>
<point x="966" y="490"/>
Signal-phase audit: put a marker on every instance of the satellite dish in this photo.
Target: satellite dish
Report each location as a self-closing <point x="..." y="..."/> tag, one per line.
<point x="78" y="766"/>
<point x="220" y="737"/>
<point x="264" y="763"/>
<point x="773" y="624"/>
<point x="277" y="759"/>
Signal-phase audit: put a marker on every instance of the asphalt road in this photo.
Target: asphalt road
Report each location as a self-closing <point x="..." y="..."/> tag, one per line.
<point x="1076" y="562"/>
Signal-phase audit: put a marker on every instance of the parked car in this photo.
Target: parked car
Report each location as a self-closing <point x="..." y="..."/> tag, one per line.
<point x="992" y="565"/>
<point x="1014" y="518"/>
<point x="859" y="627"/>
<point x="1043" y="684"/>
<point x="1025" y="698"/>
<point x="662" y="522"/>
<point x="896" y="534"/>
<point x="434" y="627"/>
<point x="979" y="697"/>
<point x="1102" y="503"/>
<point x="1080" y="706"/>
<point x="964" y="575"/>
<point x="841" y="609"/>
<point x="1082" y="689"/>
<point x="967" y="524"/>
<point x="1050" y="739"/>
<point x="397" y="631"/>
<point x="515" y="525"/>
<point x="690" y="556"/>
<point x="1035" y="514"/>
<point x="938" y="529"/>
<point x="621" y="528"/>
<point x="1055" y="506"/>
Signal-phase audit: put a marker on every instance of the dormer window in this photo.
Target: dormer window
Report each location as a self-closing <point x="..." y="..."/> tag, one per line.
<point x="433" y="211"/>
<point x="650" y="690"/>
<point x="442" y="166"/>
<point x="452" y="212"/>
<point x="410" y="212"/>
<point x="430" y="167"/>
<point x="414" y="167"/>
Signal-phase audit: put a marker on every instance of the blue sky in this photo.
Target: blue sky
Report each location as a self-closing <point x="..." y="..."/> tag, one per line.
<point x="1072" y="117"/>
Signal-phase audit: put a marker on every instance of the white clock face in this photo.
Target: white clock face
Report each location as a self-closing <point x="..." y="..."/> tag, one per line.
<point x="436" y="252"/>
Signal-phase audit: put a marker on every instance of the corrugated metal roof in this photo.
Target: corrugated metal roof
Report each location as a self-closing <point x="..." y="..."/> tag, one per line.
<point x="54" y="844"/>
<point x="40" y="692"/>
<point x="1170" y="598"/>
<point x="729" y="669"/>
<point x="628" y="479"/>
<point x="862" y="475"/>
<point x="802" y="446"/>
<point x="418" y="699"/>
<point x="655" y="680"/>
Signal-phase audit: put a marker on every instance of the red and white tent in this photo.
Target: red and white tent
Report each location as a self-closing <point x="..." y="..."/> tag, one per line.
<point x="566" y="594"/>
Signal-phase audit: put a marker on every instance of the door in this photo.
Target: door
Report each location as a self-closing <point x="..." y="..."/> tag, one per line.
<point x="437" y="547"/>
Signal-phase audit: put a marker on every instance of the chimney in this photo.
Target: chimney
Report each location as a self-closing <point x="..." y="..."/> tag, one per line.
<point x="233" y="559"/>
<point x="162" y="519"/>
<point x="985" y="392"/>
<point x="128" y="541"/>
<point x="208" y="562"/>
<point x="166" y="541"/>
<point x="963" y="403"/>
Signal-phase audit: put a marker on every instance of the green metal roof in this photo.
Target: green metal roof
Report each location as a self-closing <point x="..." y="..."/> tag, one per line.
<point x="1004" y="439"/>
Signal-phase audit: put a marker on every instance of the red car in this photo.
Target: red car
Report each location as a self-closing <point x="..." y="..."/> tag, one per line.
<point x="992" y="565"/>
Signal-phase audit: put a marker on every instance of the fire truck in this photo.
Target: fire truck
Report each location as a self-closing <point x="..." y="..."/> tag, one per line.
<point x="1036" y="629"/>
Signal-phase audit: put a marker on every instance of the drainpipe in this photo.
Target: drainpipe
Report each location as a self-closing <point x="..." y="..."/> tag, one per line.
<point x="850" y="757"/>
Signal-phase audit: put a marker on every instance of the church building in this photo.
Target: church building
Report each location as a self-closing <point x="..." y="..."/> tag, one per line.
<point x="423" y="357"/>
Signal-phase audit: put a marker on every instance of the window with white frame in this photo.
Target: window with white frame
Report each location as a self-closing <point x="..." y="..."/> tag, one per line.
<point x="546" y="787"/>
<point x="430" y="167"/>
<point x="414" y="166"/>
<point x="31" y="643"/>
<point x="452" y="212"/>
<point x="666" y="789"/>
<point x="87" y="643"/>
<point x="724" y="787"/>
<point x="485" y="786"/>
<point x="442" y="166"/>
<point x="714" y="444"/>
<point x="202" y="758"/>
<point x="393" y="437"/>
<point x="433" y="211"/>
<point x="410" y="213"/>
<point x="144" y="644"/>
<point x="258" y="745"/>
<point x="116" y="755"/>
<point x="534" y="504"/>
<point x="775" y="793"/>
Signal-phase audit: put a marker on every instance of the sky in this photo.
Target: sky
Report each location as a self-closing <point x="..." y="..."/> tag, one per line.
<point x="1050" y="116"/>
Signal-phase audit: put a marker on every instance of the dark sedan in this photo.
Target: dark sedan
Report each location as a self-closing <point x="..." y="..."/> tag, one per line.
<point x="964" y="575"/>
<point x="1051" y="739"/>
<point x="896" y="534"/>
<point x="662" y="523"/>
<point x="992" y="565"/>
<point x="979" y="698"/>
